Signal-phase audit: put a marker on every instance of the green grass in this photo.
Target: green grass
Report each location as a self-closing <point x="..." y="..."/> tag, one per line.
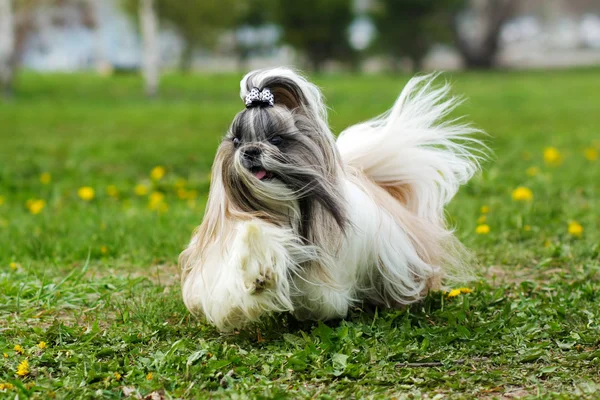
<point x="96" y="280"/>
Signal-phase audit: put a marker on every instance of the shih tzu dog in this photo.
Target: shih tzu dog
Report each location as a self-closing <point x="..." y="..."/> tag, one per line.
<point x="298" y="221"/>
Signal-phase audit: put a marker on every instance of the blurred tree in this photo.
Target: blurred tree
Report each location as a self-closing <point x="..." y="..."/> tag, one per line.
<point x="150" y="57"/>
<point x="22" y="14"/>
<point x="7" y="44"/>
<point x="408" y="28"/>
<point x="16" y="33"/>
<point x="251" y="13"/>
<point x="254" y="12"/>
<point x="199" y="22"/>
<point x="318" y="28"/>
<point x="101" y="62"/>
<point x="479" y="45"/>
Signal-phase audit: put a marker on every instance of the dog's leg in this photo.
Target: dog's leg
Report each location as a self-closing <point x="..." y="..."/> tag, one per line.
<point x="257" y="259"/>
<point x="239" y="280"/>
<point x="321" y="295"/>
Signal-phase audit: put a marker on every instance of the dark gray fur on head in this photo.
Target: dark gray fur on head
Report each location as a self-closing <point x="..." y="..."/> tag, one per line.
<point x="288" y="142"/>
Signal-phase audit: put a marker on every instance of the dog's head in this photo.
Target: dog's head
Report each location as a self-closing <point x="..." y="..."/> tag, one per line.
<point x="278" y="161"/>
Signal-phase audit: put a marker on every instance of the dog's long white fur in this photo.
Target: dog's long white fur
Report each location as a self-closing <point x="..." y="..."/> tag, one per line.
<point x="398" y="171"/>
<point x="411" y="145"/>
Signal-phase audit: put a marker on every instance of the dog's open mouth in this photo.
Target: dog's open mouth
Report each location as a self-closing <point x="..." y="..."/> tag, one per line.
<point x="261" y="174"/>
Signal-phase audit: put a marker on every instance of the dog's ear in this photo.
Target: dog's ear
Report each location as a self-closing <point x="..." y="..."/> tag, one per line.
<point x="287" y="94"/>
<point x="289" y="89"/>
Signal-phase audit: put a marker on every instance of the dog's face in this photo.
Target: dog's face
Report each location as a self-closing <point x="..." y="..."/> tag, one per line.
<point x="278" y="163"/>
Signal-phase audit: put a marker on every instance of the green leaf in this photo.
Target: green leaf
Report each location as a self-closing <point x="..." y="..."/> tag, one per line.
<point x="339" y="363"/>
<point x="548" y="370"/>
<point x="294" y="340"/>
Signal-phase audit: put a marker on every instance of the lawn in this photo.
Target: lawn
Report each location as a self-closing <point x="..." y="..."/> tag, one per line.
<point x="101" y="188"/>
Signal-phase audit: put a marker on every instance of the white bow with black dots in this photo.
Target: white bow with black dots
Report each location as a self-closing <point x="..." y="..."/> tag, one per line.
<point x="257" y="97"/>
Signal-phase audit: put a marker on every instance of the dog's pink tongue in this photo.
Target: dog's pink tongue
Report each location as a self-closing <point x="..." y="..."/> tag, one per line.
<point x="260" y="174"/>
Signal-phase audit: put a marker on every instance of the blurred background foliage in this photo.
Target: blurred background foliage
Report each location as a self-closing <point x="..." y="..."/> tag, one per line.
<point x="317" y="35"/>
<point x="199" y="23"/>
<point x="317" y="28"/>
<point x="409" y="28"/>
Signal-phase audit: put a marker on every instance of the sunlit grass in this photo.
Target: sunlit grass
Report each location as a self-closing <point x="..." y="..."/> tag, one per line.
<point x="101" y="188"/>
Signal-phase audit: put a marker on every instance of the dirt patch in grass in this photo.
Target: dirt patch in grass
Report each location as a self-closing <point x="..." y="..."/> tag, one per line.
<point x="166" y="275"/>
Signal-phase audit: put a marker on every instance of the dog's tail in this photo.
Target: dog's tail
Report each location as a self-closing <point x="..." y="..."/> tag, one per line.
<point x="419" y="157"/>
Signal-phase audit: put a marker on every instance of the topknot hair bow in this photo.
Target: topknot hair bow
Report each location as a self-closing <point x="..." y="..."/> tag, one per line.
<point x="257" y="97"/>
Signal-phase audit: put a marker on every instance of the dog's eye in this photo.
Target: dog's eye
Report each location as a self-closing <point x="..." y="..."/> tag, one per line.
<point x="236" y="141"/>
<point x="276" y="140"/>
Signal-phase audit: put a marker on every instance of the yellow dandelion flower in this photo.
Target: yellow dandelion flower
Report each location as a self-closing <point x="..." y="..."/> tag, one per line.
<point x="547" y="243"/>
<point x="591" y="154"/>
<point x="456" y="292"/>
<point x="104" y="250"/>
<point x="112" y="191"/>
<point x="1" y="200"/>
<point x="5" y="355"/>
<point x="35" y="206"/>
<point x="86" y="193"/>
<point x="149" y="376"/>
<point x="180" y="183"/>
<point x="156" y="202"/>
<point x="522" y="193"/>
<point x="182" y="193"/>
<point x="18" y="349"/>
<point x="552" y="156"/>
<point x="481" y="219"/>
<point x="45" y="178"/>
<point x="187" y="194"/>
<point x="23" y="368"/>
<point x="42" y="345"/>
<point x="117" y="376"/>
<point x="13" y="266"/>
<point x="482" y="229"/>
<point x="6" y="386"/>
<point x="527" y="228"/>
<point x="157" y="173"/>
<point x="532" y="171"/>
<point x="575" y="229"/>
<point x="156" y="197"/>
<point x="485" y="209"/>
<point x="141" y="189"/>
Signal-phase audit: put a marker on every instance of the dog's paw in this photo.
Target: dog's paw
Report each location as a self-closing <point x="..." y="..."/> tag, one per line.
<point x="258" y="259"/>
<point x="261" y="283"/>
<point x="257" y="275"/>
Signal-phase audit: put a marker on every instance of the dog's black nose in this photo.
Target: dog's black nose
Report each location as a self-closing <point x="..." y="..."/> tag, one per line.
<point x="250" y="157"/>
<point x="251" y="153"/>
